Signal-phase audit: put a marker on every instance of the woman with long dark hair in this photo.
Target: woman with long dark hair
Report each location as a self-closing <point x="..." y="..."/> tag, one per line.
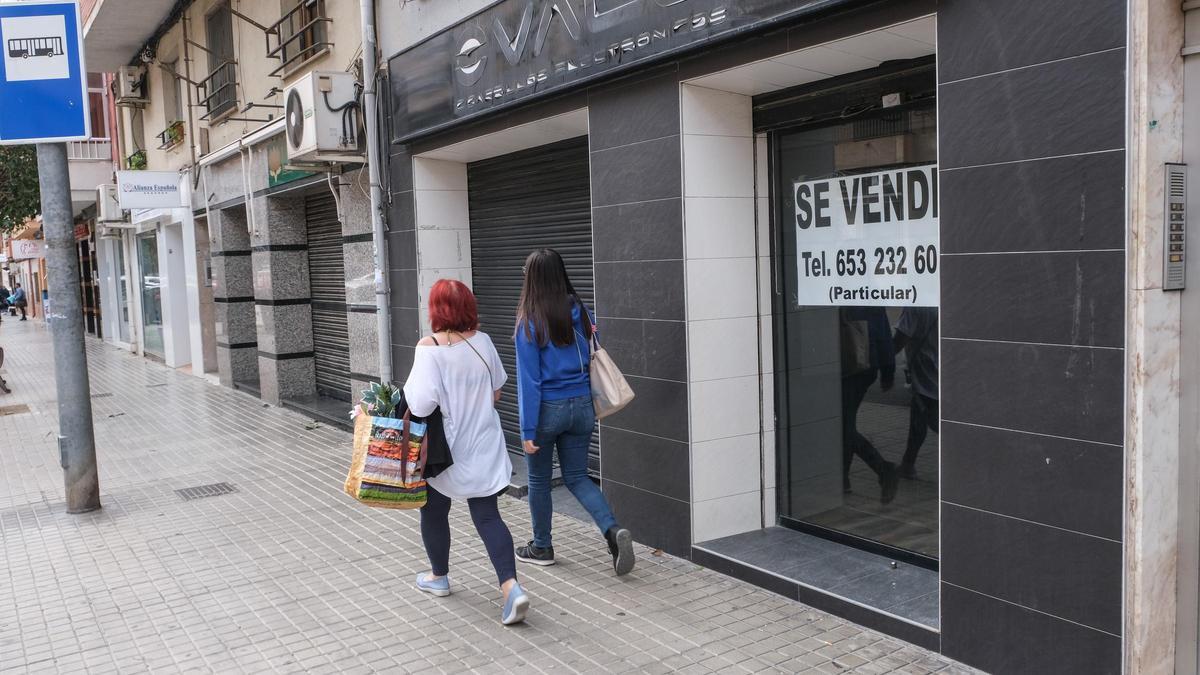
<point x="553" y="332"/>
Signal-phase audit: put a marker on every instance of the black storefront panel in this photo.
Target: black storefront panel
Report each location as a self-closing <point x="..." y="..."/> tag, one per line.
<point x="518" y="50"/>
<point x="1032" y="135"/>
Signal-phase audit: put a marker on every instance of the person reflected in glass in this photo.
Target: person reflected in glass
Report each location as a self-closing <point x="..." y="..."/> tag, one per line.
<point x="917" y="335"/>
<point x="867" y="356"/>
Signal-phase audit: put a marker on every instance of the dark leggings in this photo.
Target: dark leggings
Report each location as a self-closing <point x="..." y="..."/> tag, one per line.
<point x="435" y="532"/>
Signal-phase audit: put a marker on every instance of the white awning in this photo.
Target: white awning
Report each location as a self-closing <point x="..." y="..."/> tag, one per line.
<point x="117" y="29"/>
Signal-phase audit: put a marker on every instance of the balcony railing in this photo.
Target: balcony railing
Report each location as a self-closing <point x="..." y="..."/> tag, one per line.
<point x="218" y="91"/>
<point x="301" y="35"/>
<point x="171" y="136"/>
<point x="90" y="150"/>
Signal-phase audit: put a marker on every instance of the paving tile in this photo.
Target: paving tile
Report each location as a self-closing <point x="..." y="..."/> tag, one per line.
<point x="288" y="575"/>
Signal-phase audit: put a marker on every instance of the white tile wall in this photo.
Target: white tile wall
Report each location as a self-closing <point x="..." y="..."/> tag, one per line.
<point x="436" y="174"/>
<point x="710" y="112"/>
<point x="718" y="166"/>
<point x="442" y="209"/>
<point x="719" y="227"/>
<point x="444" y="248"/>
<point x="723" y="342"/>
<point x="734" y="514"/>
<point x="732" y="477"/>
<point x="723" y="409"/>
<point x="721" y="288"/>
<point x="723" y="348"/>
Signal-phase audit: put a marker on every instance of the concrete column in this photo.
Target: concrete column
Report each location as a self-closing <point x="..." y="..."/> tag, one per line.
<point x="360" y="281"/>
<point x="283" y="300"/>
<point x="1152" y="432"/>
<point x="233" y="295"/>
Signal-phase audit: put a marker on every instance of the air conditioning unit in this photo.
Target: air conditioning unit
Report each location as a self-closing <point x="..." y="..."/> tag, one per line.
<point x="130" y="87"/>
<point x="321" y="116"/>
<point x="108" y="205"/>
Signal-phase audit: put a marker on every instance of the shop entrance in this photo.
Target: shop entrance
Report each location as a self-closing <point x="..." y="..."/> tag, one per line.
<point x="854" y="190"/>
<point x="537" y="198"/>
<point x="327" y="279"/>
<point x="153" y="338"/>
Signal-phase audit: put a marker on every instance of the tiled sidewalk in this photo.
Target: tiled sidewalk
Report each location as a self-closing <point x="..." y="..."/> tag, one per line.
<point x="287" y="574"/>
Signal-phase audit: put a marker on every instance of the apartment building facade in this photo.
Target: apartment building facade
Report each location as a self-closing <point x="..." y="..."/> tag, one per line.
<point x="263" y="275"/>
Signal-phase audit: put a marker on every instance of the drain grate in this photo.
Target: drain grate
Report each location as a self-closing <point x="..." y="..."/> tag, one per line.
<point x="202" y="491"/>
<point x="106" y="394"/>
<point x="13" y="410"/>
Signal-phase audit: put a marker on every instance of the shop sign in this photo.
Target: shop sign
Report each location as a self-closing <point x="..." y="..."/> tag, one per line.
<point x="278" y="170"/>
<point x="82" y="231"/>
<point x="25" y="249"/>
<point x="149" y="190"/>
<point x="521" y="49"/>
<point x="869" y="239"/>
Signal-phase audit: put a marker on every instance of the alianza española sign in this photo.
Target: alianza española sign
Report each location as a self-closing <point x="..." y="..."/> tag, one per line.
<point x="149" y="190"/>
<point x="43" y="79"/>
<point x="516" y="50"/>
<point x="869" y="239"/>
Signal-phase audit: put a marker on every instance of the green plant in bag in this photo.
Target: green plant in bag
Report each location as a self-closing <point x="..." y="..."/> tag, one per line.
<point x="381" y="400"/>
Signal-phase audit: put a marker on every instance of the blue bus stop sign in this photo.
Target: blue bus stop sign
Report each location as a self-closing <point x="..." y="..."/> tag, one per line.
<point x="43" y="80"/>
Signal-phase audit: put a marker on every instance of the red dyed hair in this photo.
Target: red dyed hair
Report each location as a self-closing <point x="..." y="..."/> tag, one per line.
<point x="452" y="307"/>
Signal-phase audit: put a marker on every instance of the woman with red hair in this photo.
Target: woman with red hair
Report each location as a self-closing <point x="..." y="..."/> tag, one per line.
<point x="457" y="369"/>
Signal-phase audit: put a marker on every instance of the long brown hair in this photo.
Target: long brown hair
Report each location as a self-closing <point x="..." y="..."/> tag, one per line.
<point x="547" y="297"/>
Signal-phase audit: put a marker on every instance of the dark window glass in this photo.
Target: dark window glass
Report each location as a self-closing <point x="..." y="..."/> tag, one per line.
<point x="857" y="384"/>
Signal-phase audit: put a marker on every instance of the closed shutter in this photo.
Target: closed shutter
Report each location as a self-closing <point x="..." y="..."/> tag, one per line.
<point x="539" y="198"/>
<point x="327" y="278"/>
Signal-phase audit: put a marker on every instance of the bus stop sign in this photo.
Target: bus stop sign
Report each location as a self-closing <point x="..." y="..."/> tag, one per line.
<point x="43" y="80"/>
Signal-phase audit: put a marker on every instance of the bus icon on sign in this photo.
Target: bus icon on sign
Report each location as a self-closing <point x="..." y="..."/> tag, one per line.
<point x="23" y="48"/>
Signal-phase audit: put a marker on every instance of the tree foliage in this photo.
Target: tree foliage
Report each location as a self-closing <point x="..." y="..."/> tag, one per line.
<point x="20" y="198"/>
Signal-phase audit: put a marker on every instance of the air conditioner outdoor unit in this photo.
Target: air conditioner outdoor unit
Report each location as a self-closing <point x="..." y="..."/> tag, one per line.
<point x="108" y="205"/>
<point x="322" y="118"/>
<point x="130" y="87"/>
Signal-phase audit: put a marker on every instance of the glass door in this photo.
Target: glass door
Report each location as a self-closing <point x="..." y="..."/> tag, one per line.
<point x="122" y="290"/>
<point x="151" y="284"/>
<point x="857" y="328"/>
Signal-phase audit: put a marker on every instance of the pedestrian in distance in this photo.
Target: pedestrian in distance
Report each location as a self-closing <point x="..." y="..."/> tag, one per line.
<point x="4" y="293"/>
<point x="457" y="369"/>
<point x="553" y="335"/>
<point x="17" y="299"/>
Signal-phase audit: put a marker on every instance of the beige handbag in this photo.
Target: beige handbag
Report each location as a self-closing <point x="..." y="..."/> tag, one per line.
<point x="610" y="391"/>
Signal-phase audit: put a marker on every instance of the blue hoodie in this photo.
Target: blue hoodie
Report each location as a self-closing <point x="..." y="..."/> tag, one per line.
<point x="550" y="373"/>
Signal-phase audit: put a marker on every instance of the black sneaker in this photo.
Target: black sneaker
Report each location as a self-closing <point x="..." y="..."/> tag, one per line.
<point x="534" y="555"/>
<point x="620" y="545"/>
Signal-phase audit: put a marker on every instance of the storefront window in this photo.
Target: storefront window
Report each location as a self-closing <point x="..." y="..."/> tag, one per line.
<point x="122" y="290"/>
<point x="151" y="283"/>
<point x="857" y="327"/>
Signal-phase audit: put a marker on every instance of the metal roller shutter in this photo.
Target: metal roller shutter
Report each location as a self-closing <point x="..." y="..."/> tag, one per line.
<point x="539" y="198"/>
<point x="327" y="278"/>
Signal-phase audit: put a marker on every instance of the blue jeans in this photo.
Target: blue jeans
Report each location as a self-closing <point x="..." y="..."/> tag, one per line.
<point x="566" y="425"/>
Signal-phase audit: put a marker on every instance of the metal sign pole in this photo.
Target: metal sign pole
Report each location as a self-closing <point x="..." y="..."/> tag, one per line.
<point x="76" y="437"/>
